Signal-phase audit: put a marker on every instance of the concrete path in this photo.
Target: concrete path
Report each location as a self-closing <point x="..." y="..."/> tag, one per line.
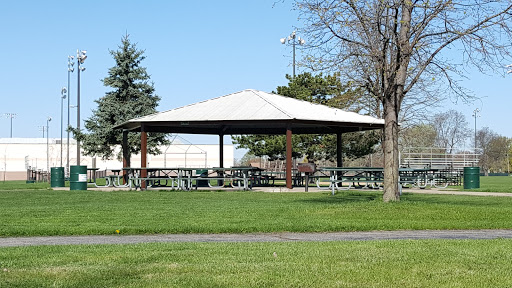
<point x="257" y="237"/>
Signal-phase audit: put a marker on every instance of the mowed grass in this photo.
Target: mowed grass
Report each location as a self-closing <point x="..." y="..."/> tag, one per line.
<point x="49" y="212"/>
<point x="402" y="263"/>
<point x="492" y="184"/>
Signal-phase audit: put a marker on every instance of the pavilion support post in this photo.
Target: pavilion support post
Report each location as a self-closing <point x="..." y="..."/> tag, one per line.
<point x="143" y="155"/>
<point x="221" y="150"/>
<point x="289" y="157"/>
<point x="339" y="149"/>
<point x="339" y="154"/>
<point x="126" y="155"/>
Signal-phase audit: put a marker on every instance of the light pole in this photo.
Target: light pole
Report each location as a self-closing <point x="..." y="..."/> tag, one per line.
<point x="509" y="66"/>
<point x="10" y="115"/>
<point x="48" y="143"/>
<point x="62" y="97"/>
<point x="291" y="39"/>
<point x="70" y="70"/>
<point x="80" y="57"/>
<point x="475" y="114"/>
<point x="42" y="128"/>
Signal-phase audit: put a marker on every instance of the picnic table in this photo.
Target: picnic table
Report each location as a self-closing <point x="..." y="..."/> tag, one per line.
<point x="92" y="175"/>
<point x="186" y="178"/>
<point x="373" y="177"/>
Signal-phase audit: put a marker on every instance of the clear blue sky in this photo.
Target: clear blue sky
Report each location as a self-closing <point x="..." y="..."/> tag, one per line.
<point x="195" y="50"/>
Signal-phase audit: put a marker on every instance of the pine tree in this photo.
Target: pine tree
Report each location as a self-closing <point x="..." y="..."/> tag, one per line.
<point x="132" y="96"/>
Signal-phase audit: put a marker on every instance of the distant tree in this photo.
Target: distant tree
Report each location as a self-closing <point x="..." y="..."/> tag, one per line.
<point x="320" y="89"/>
<point x="497" y="154"/>
<point x="132" y="96"/>
<point x="451" y="128"/>
<point x="247" y="159"/>
<point x="484" y="137"/>
<point x="418" y="136"/>
<point x="509" y="155"/>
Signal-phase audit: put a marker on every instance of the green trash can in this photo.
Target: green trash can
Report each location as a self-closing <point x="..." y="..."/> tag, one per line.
<point x="57" y="177"/>
<point x="78" y="177"/>
<point x="471" y="177"/>
<point x="202" y="173"/>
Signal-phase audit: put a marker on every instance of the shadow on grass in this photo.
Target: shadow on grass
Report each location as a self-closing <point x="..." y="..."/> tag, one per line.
<point x="462" y="200"/>
<point x="347" y="197"/>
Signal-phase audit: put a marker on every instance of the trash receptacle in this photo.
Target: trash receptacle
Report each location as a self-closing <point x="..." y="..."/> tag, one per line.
<point x="471" y="177"/>
<point x="78" y="177"/>
<point x="202" y="173"/>
<point x="57" y="177"/>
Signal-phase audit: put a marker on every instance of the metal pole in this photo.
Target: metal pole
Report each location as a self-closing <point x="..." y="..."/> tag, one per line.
<point x="475" y="131"/>
<point x="475" y="114"/>
<point x="293" y="44"/>
<point x="69" y="96"/>
<point x="47" y="146"/>
<point x="294" y="39"/>
<point x="11" y="125"/>
<point x="78" y="106"/>
<point x="61" y="120"/>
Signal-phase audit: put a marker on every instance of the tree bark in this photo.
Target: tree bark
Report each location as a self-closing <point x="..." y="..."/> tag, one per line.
<point x="391" y="191"/>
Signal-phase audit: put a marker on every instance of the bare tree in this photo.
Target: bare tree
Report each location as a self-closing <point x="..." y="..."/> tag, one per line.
<point x="497" y="154"/>
<point x="392" y="47"/>
<point x="418" y="136"/>
<point x="485" y="139"/>
<point x="451" y="128"/>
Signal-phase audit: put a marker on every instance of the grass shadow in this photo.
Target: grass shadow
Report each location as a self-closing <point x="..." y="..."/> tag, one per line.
<point x="347" y="197"/>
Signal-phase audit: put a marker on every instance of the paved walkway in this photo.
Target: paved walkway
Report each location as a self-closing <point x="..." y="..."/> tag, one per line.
<point x="258" y="237"/>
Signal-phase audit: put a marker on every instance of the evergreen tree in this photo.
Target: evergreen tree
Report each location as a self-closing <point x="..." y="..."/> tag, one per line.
<point x="132" y="96"/>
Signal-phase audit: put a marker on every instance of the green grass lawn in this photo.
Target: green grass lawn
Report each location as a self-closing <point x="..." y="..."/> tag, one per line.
<point x="402" y="263"/>
<point x="33" y="209"/>
<point x="492" y="184"/>
<point x="48" y="212"/>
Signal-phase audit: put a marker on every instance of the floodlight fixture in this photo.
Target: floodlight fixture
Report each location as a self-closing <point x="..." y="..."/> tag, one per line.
<point x="475" y="114"/>
<point x="11" y="116"/>
<point x="80" y="56"/>
<point x="293" y="40"/>
<point x="71" y="69"/>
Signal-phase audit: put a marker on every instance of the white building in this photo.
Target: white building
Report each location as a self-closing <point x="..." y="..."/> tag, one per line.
<point x="18" y="154"/>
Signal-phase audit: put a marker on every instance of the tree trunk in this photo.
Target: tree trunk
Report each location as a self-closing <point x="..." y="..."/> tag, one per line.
<point x="392" y="103"/>
<point x="391" y="192"/>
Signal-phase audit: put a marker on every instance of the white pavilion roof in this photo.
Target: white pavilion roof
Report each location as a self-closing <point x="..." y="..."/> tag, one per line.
<point x="257" y="105"/>
<point x="253" y="112"/>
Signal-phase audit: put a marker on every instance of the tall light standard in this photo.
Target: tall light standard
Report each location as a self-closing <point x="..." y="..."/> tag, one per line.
<point x="70" y="70"/>
<point x="48" y="143"/>
<point x="475" y="114"/>
<point x="80" y="57"/>
<point x="293" y="39"/>
<point x="42" y="128"/>
<point x="10" y="115"/>
<point x="62" y="97"/>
